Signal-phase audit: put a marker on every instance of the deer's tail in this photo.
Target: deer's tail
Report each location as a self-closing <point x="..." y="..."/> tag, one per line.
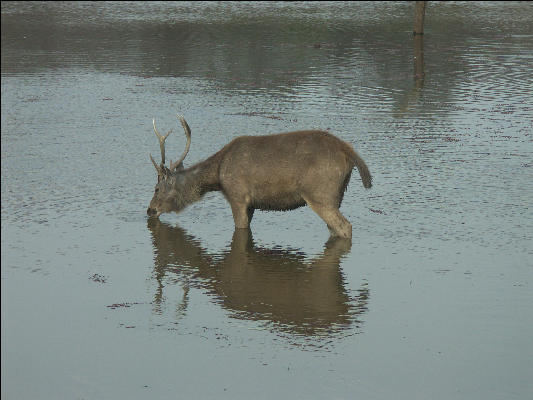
<point x="363" y="169"/>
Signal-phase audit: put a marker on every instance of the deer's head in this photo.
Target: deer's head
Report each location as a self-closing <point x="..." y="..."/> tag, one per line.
<point x="168" y="193"/>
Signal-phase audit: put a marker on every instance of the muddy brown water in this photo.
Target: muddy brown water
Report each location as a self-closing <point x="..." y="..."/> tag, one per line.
<point x="431" y="299"/>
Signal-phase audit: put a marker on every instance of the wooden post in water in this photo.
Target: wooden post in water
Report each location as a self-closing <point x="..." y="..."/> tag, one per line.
<point x="418" y="58"/>
<point x="418" y="43"/>
<point x="420" y="11"/>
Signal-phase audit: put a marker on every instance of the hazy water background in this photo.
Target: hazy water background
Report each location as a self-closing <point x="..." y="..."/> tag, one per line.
<point x="433" y="299"/>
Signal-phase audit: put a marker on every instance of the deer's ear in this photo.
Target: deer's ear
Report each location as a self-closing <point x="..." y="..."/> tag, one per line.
<point x="180" y="166"/>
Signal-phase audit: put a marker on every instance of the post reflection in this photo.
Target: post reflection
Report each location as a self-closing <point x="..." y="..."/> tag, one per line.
<point x="412" y="97"/>
<point x="418" y="60"/>
<point x="282" y="287"/>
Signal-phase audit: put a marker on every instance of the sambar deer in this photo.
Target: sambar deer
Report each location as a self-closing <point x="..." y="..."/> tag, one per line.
<point x="274" y="172"/>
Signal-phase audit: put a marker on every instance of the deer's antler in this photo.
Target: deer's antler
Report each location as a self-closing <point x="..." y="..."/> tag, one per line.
<point x="187" y="130"/>
<point x="162" y="147"/>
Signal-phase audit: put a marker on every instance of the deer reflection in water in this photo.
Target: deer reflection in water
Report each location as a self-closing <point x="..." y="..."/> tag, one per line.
<point x="281" y="287"/>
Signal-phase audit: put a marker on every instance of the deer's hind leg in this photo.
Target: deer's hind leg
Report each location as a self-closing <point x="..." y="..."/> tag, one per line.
<point x="337" y="224"/>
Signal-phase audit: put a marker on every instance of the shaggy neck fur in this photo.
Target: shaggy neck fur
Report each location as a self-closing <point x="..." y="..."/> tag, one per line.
<point x="192" y="183"/>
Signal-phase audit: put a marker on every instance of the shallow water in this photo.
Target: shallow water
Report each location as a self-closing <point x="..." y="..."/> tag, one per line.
<point x="431" y="299"/>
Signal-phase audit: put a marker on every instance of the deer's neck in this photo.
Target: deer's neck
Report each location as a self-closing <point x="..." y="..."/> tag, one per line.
<point x="199" y="179"/>
<point x="205" y="174"/>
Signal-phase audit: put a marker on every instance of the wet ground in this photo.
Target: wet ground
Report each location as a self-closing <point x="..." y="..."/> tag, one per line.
<point x="431" y="299"/>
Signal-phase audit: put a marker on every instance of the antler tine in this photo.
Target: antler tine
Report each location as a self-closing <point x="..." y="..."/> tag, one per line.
<point x="155" y="165"/>
<point x="187" y="130"/>
<point x="161" y="142"/>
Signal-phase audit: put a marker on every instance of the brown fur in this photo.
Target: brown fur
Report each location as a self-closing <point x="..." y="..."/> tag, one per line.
<point x="275" y="172"/>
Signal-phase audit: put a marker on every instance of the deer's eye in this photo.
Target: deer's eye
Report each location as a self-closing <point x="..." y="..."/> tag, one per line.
<point x="156" y="190"/>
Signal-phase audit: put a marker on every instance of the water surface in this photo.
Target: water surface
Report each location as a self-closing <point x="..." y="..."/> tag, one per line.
<point x="432" y="297"/>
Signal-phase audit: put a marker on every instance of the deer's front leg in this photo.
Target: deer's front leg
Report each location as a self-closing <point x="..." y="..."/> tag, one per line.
<point x="242" y="215"/>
